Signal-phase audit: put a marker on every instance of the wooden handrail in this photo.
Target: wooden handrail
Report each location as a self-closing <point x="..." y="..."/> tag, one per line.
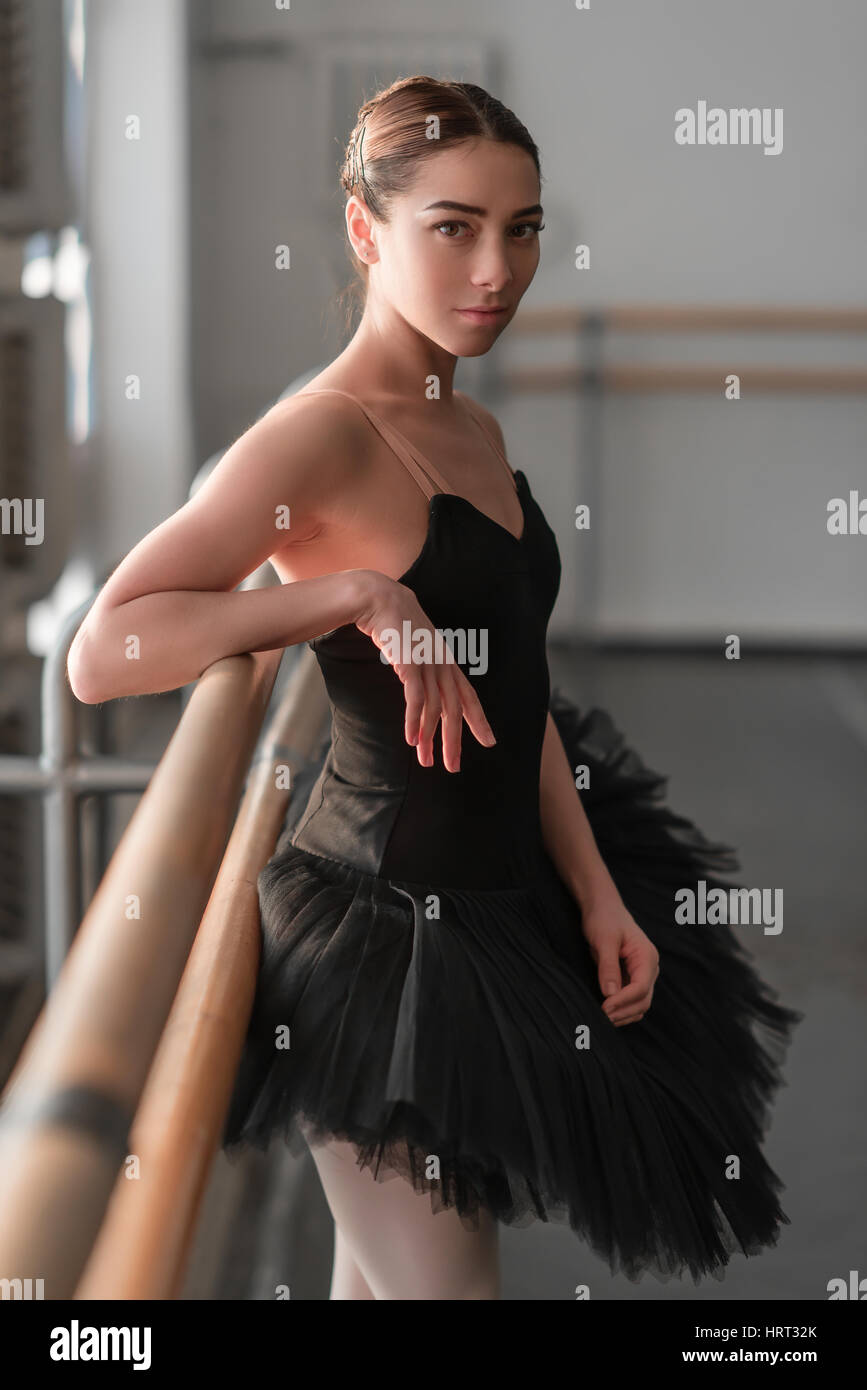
<point x="70" y="1102"/>
<point x="624" y="378"/>
<point x="143" y="1245"/>
<point x="621" y="377"/>
<point x="691" y="318"/>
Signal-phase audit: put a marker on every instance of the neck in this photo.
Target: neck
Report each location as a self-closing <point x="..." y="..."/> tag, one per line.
<point x="388" y="357"/>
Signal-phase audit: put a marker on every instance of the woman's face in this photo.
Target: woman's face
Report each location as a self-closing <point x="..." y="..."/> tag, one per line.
<point x="431" y="263"/>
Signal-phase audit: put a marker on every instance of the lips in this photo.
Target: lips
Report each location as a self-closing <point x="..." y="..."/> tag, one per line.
<point x="484" y="315"/>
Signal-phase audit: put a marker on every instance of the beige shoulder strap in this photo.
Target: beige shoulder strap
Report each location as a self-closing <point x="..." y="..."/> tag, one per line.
<point x="422" y="470"/>
<point x="474" y="411"/>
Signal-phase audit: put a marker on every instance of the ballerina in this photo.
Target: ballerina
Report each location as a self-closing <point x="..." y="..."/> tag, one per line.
<point x="493" y="1014"/>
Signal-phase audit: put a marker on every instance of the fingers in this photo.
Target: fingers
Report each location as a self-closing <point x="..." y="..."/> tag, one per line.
<point x="473" y="712"/>
<point x="631" y="995"/>
<point x="635" y="1016"/>
<point x="439" y="692"/>
<point x="630" y="1004"/>
<point x="436" y="692"/>
<point x="430" y="717"/>
<point x="609" y="972"/>
<point x="452" y="724"/>
<point x="629" y="1012"/>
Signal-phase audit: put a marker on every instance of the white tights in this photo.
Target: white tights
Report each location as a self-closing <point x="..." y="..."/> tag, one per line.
<point x="389" y="1244"/>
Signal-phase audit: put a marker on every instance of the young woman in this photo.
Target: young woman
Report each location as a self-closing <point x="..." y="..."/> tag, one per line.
<point x="493" y="1012"/>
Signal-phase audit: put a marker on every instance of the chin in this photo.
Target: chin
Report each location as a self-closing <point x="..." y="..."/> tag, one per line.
<point x="466" y="351"/>
<point x="471" y="343"/>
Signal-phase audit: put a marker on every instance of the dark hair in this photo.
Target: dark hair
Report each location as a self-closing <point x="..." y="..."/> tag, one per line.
<point x="391" y="137"/>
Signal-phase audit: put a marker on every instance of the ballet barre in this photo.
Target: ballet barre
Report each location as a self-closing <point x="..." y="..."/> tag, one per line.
<point x="115" y="1111"/>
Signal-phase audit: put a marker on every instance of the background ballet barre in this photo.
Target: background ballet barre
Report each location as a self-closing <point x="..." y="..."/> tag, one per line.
<point x="592" y="379"/>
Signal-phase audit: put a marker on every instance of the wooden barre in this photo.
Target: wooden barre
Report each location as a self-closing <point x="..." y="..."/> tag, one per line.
<point x="688" y="318"/>
<point x="627" y="378"/>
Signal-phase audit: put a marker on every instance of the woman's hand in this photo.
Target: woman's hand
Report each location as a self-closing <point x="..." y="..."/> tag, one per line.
<point x="614" y="936"/>
<point x="435" y="689"/>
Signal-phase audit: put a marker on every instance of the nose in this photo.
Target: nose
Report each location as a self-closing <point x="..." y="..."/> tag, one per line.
<point x="491" y="266"/>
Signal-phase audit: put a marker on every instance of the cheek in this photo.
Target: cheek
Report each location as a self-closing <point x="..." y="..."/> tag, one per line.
<point x="424" y="273"/>
<point x="527" y="269"/>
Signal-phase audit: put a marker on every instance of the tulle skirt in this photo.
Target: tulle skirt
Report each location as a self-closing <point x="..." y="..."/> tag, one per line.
<point x="468" y="1054"/>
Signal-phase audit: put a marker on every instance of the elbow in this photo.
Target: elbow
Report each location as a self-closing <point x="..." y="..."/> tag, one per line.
<point x="81" y="673"/>
<point x="82" y="692"/>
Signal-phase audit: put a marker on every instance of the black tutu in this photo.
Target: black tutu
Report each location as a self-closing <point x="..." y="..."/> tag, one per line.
<point x="444" y="1047"/>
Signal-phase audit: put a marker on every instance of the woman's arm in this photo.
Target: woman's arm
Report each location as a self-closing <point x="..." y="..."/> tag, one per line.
<point x="616" y="942"/>
<point x="170" y="609"/>
<point x="161" y="641"/>
<point x="566" y="829"/>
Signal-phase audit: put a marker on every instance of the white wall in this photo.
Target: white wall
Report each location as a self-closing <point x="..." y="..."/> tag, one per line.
<point x="137" y="229"/>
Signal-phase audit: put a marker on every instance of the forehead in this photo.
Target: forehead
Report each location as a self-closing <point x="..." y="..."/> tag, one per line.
<point x="494" y="177"/>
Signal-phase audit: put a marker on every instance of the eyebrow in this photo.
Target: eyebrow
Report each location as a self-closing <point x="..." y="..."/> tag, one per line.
<point x="479" y="212"/>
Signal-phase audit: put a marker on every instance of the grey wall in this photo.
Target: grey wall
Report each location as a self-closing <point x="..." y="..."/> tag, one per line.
<point x="136" y="225"/>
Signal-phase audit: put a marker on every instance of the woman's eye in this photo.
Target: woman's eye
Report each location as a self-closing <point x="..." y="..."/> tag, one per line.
<point x="533" y="227"/>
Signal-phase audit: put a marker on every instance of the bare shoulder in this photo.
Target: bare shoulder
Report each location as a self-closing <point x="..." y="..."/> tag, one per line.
<point x="490" y="422"/>
<point x="329" y="422"/>
<point x="303" y="445"/>
<point x="291" y="462"/>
